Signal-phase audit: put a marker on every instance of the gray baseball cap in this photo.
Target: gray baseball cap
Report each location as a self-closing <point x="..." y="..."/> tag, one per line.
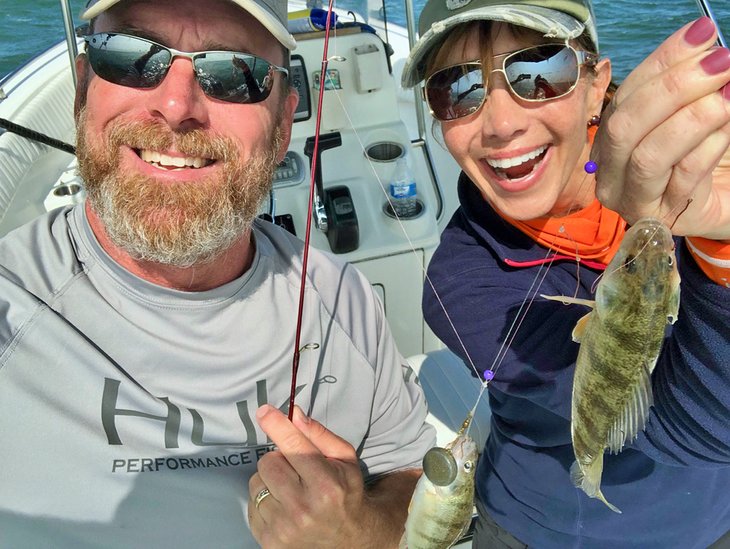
<point x="272" y="14"/>
<point x="564" y="19"/>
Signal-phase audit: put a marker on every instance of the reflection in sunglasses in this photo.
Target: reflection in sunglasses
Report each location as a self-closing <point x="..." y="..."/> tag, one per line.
<point x="135" y="62"/>
<point x="557" y="69"/>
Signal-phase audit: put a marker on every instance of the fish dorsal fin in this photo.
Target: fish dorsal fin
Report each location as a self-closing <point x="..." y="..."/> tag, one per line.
<point x="580" y="327"/>
<point x="565" y="300"/>
<point x="635" y="413"/>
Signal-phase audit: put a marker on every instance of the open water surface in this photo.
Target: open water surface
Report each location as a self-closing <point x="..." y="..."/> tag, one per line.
<point x="628" y="29"/>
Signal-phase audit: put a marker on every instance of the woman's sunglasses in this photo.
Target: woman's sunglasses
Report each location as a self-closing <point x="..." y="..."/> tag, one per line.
<point x="138" y="63"/>
<point x="537" y="73"/>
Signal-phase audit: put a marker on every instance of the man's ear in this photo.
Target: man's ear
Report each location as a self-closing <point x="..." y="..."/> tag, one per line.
<point x="83" y="75"/>
<point x="287" y="119"/>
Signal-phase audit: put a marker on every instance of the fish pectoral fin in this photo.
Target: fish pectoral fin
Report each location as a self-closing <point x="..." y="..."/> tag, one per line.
<point x="565" y="300"/>
<point x="580" y="327"/>
<point x="634" y="415"/>
<point x="581" y="324"/>
<point x="588" y="479"/>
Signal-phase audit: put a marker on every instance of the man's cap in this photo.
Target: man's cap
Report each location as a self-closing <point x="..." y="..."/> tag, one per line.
<point x="564" y="19"/>
<point x="272" y="14"/>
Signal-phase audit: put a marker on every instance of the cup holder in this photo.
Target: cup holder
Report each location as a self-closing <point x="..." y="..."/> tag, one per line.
<point x="388" y="210"/>
<point x="67" y="190"/>
<point x="385" y="151"/>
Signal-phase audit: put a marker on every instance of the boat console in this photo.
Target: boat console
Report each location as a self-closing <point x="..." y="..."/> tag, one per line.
<point x="361" y="138"/>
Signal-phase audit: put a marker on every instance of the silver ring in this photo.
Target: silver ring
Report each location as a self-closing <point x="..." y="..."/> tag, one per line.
<point x="261" y="496"/>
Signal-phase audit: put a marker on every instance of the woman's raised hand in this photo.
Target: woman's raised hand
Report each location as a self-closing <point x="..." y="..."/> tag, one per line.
<point x="663" y="147"/>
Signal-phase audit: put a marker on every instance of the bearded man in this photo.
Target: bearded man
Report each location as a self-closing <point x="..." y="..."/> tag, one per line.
<point x="146" y="335"/>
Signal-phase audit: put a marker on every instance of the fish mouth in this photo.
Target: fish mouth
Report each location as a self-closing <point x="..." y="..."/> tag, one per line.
<point x="649" y="234"/>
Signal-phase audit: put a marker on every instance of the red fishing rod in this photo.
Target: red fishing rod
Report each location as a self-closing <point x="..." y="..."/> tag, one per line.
<point x="308" y="230"/>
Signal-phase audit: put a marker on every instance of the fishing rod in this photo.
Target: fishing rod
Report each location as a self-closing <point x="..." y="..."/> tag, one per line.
<point x="704" y="6"/>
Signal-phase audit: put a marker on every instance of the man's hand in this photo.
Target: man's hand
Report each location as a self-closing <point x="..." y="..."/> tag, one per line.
<point x="664" y="139"/>
<point x="318" y="497"/>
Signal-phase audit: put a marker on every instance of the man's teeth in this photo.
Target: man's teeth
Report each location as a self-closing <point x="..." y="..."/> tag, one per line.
<point x="166" y="161"/>
<point x="504" y="163"/>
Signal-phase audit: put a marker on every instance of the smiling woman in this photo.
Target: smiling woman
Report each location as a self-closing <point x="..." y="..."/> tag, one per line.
<point x="518" y="90"/>
<point x="518" y="63"/>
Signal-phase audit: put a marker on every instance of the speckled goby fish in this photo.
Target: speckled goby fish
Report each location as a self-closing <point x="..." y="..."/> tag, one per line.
<point x="620" y="340"/>
<point x="442" y="504"/>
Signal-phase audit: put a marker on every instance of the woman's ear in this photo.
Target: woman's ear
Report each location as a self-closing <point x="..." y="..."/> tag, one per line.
<point x="601" y="81"/>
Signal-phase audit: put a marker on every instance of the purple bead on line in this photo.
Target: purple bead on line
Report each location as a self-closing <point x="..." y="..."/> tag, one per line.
<point x="488" y="375"/>
<point x="590" y="167"/>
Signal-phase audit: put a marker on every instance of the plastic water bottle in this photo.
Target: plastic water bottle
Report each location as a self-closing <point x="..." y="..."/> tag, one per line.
<point x="403" y="191"/>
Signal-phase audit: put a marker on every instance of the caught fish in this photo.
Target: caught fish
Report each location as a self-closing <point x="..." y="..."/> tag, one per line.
<point x="620" y="341"/>
<point x="442" y="504"/>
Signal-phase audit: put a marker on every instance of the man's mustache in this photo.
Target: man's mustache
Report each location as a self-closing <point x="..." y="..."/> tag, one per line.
<point x="158" y="136"/>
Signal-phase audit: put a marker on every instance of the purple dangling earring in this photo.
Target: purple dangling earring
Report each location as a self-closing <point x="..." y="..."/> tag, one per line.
<point x="590" y="166"/>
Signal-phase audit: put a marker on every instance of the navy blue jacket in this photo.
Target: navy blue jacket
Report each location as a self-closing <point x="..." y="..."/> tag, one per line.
<point x="672" y="483"/>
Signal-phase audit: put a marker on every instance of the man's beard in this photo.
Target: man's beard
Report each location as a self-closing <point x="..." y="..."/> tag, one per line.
<point x="182" y="223"/>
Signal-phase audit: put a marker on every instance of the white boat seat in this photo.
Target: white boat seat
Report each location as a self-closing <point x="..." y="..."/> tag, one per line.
<point x="25" y="175"/>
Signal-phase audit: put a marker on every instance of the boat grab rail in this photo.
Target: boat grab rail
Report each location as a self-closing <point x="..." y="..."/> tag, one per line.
<point x="22" y="131"/>
<point x="70" y="32"/>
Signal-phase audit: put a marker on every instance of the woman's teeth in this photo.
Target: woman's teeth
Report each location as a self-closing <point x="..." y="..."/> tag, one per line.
<point x="517" y="166"/>
<point x="166" y="162"/>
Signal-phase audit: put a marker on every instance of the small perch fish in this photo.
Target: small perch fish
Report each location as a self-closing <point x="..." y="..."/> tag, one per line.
<point x="443" y="502"/>
<point x="620" y="341"/>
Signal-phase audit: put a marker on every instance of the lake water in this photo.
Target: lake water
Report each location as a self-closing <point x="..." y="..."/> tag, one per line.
<point x="628" y="29"/>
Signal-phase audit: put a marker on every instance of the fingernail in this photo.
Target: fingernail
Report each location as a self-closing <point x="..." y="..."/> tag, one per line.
<point x="700" y="31"/>
<point x="718" y="61"/>
<point x="301" y="416"/>
<point x="262" y="411"/>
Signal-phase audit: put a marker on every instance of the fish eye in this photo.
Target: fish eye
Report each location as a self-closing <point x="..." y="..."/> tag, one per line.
<point x="468" y="465"/>
<point x="630" y="264"/>
<point x="670" y="261"/>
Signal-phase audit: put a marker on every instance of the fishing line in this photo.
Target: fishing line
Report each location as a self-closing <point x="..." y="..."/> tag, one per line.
<point x="530" y="295"/>
<point x="512" y="331"/>
<point x="411" y="245"/>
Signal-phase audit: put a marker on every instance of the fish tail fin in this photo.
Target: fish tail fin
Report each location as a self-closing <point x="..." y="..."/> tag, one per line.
<point x="590" y="480"/>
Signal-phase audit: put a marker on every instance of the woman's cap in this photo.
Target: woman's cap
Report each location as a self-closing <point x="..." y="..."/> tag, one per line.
<point x="564" y="19"/>
<point x="272" y="14"/>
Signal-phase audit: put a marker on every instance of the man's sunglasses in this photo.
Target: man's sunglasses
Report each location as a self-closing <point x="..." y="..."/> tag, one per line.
<point x="537" y="73"/>
<point x="138" y="63"/>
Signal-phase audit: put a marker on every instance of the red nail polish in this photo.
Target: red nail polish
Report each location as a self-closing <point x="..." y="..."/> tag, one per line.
<point x="700" y="31"/>
<point x="718" y="61"/>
